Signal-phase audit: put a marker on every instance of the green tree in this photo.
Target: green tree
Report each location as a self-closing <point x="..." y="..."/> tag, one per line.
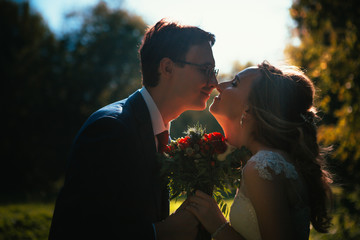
<point x="329" y="51"/>
<point x="53" y="84"/>
<point x="103" y="60"/>
<point x="28" y="60"/>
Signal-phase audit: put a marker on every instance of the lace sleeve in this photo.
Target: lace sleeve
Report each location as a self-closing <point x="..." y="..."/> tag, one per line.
<point x="265" y="160"/>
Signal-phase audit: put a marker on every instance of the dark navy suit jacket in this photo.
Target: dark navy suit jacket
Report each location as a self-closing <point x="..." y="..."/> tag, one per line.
<point x="112" y="188"/>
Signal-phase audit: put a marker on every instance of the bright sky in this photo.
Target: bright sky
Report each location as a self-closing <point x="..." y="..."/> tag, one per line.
<point x="245" y="30"/>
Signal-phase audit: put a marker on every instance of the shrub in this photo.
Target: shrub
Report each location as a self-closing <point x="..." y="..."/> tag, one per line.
<point x="25" y="221"/>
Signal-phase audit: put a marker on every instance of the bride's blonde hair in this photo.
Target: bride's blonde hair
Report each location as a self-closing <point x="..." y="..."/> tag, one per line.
<point x="282" y="103"/>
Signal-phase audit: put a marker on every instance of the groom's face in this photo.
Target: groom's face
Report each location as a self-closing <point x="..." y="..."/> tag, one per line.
<point x="192" y="83"/>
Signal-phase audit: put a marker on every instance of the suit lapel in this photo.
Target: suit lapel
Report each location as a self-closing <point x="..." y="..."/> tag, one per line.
<point x="147" y="144"/>
<point x="143" y="123"/>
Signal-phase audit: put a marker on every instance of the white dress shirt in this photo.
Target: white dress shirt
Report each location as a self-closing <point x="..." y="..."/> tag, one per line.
<point x="155" y="115"/>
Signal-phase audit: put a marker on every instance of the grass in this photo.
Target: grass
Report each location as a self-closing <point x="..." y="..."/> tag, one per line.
<point x="25" y="221"/>
<point x="175" y="204"/>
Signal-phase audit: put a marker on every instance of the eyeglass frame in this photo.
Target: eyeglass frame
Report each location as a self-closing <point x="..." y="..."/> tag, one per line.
<point x="210" y="71"/>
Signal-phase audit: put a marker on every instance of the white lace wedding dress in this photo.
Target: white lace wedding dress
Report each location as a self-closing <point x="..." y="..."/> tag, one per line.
<point x="242" y="214"/>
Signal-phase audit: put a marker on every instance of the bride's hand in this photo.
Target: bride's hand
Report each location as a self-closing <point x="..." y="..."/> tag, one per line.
<point x="183" y="206"/>
<point x="205" y="208"/>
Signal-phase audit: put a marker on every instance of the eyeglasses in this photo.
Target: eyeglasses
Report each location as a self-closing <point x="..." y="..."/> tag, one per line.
<point x="208" y="70"/>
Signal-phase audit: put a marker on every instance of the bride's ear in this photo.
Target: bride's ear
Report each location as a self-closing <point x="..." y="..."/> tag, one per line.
<point x="244" y="115"/>
<point x="166" y="67"/>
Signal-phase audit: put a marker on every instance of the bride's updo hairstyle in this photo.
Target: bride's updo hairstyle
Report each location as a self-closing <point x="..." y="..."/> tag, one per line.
<point x="282" y="104"/>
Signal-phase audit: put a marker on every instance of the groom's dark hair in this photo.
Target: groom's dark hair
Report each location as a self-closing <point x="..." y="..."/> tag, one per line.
<point x="168" y="39"/>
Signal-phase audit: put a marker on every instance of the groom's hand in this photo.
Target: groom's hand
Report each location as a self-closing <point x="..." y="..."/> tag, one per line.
<point x="180" y="225"/>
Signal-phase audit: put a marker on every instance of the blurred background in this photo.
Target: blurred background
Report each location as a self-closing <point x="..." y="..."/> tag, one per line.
<point x="62" y="60"/>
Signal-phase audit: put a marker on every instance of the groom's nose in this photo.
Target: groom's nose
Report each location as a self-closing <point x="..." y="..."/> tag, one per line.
<point x="213" y="83"/>
<point x="221" y="86"/>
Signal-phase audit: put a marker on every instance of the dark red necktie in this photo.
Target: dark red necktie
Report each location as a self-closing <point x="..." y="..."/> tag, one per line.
<point x="163" y="140"/>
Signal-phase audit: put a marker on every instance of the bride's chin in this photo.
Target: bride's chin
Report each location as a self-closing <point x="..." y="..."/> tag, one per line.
<point x="213" y="108"/>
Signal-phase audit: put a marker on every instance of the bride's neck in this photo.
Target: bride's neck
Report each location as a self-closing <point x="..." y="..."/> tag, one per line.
<point x="241" y="137"/>
<point x="232" y="133"/>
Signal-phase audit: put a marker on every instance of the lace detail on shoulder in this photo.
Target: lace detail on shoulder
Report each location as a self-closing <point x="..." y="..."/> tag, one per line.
<point x="267" y="159"/>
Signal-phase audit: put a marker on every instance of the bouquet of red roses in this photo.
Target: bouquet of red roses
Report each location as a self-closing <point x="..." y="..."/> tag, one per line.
<point x="201" y="161"/>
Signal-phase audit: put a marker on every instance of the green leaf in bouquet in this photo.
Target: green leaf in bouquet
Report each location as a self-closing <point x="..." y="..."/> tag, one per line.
<point x="196" y="131"/>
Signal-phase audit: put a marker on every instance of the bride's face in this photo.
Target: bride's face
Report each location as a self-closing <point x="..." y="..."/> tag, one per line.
<point x="232" y="101"/>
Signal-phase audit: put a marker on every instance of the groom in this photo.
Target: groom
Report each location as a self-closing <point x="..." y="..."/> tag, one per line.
<point x="112" y="188"/>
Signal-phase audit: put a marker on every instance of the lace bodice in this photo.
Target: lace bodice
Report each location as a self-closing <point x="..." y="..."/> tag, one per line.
<point x="242" y="214"/>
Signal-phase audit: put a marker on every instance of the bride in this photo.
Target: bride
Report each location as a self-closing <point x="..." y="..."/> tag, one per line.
<point x="284" y="185"/>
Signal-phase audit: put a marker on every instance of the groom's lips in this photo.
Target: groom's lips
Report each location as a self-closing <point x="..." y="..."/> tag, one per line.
<point x="206" y="93"/>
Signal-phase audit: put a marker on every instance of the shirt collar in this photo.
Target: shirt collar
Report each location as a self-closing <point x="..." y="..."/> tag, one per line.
<point x="155" y="115"/>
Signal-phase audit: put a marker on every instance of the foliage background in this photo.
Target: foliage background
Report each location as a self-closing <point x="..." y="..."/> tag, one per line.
<point x="329" y="51"/>
<point x="52" y="84"/>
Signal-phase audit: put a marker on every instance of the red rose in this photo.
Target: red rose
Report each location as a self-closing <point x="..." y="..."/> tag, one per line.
<point x="207" y="137"/>
<point x="216" y="136"/>
<point x="219" y="146"/>
<point x="217" y="140"/>
<point x="169" y="149"/>
<point x="184" y="142"/>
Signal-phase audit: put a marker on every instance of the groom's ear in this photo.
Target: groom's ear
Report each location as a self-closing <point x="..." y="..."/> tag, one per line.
<point x="166" y="67"/>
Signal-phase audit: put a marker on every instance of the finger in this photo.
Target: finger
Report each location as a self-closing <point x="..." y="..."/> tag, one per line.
<point x="193" y="210"/>
<point x="186" y="202"/>
<point x="182" y="206"/>
<point x="198" y="200"/>
<point x="189" y="216"/>
<point x="209" y="199"/>
<point x="203" y="195"/>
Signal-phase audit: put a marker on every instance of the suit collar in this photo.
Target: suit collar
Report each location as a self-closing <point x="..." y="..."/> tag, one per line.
<point x="155" y="115"/>
<point x="143" y="121"/>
